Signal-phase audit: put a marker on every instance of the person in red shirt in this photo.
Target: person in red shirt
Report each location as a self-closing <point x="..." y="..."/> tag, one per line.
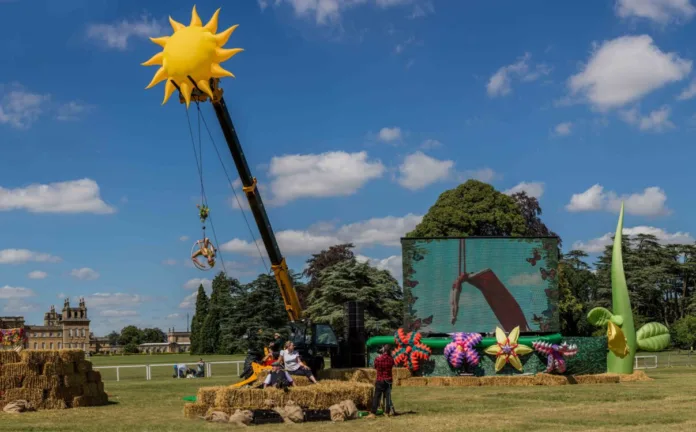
<point x="383" y="384"/>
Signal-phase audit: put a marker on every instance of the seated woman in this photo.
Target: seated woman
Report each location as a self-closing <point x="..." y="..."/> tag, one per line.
<point x="205" y="249"/>
<point x="293" y="363"/>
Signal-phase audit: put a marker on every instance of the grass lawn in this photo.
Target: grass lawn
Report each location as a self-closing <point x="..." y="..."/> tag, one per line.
<point x="667" y="403"/>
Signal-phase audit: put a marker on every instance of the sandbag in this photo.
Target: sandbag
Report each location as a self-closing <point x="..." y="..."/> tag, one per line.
<point x="18" y="406"/>
<point x="349" y="409"/>
<point x="294" y="412"/>
<point x="337" y="413"/>
<point x="217" y="417"/>
<point x="241" y="418"/>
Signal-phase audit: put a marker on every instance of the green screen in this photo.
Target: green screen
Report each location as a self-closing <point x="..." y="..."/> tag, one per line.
<point x="505" y="282"/>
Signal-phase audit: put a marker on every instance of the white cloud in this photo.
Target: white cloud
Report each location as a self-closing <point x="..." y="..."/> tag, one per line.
<point x="19" y="307"/>
<point x="420" y="11"/>
<point x="110" y="313"/>
<point x="400" y="48"/>
<point x="117" y="35"/>
<point x="37" y="274"/>
<point x="430" y="144"/>
<point x="485" y="175"/>
<point x="500" y="83"/>
<point x="323" y="175"/>
<point x="392" y="264"/>
<point x="597" y="245"/>
<point x="84" y="273"/>
<point x="660" y="11"/>
<point x="651" y="202"/>
<point x="656" y="121"/>
<point x="19" y="107"/>
<point x="170" y="262"/>
<point x="72" y="111"/>
<point x="625" y="69"/>
<point x="689" y="92"/>
<point x="61" y="296"/>
<point x="533" y="189"/>
<point x="189" y="302"/>
<point x="385" y="231"/>
<point x="9" y="292"/>
<point x="420" y="170"/>
<point x="184" y="238"/>
<point x="563" y="129"/>
<point x="21" y="256"/>
<point x="525" y="279"/>
<point x="328" y="11"/>
<point x="78" y="196"/>
<point x="387" y="134"/>
<point x="192" y="284"/>
<point x="102" y="300"/>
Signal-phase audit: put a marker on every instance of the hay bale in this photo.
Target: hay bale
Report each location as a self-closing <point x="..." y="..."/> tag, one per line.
<point x="207" y="395"/>
<point x="93" y="376"/>
<point x="90" y="390"/>
<point x="38" y="357"/>
<point x="58" y="367"/>
<point x="41" y="382"/>
<point x="19" y="370"/>
<point x="318" y="396"/>
<point x="242" y="418"/>
<point x="10" y="382"/>
<point x="337" y="413"/>
<point x="53" y="404"/>
<point x="464" y="381"/>
<point x="71" y="355"/>
<point x="550" y="380"/>
<point x="83" y="366"/>
<point x="595" y="379"/>
<point x="414" y="382"/>
<point x="82" y="401"/>
<point x="439" y="381"/>
<point x="195" y="410"/>
<point x="344" y="374"/>
<point x="34" y="396"/>
<point x="9" y="357"/>
<point x="636" y="376"/>
<point x="74" y="380"/>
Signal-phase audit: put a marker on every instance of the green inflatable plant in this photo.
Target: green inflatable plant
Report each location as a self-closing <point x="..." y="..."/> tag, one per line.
<point x="623" y="341"/>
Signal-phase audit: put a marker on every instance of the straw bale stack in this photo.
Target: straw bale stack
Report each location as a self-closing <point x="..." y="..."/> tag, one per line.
<point x="518" y="380"/>
<point x="365" y="375"/>
<point x="319" y="396"/>
<point x="299" y="381"/>
<point x="50" y="379"/>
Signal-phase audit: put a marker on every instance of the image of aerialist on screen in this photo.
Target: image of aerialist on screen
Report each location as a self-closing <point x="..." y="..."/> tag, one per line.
<point x="501" y="302"/>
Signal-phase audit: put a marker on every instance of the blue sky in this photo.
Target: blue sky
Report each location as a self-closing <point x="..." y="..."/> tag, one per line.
<point x="354" y="115"/>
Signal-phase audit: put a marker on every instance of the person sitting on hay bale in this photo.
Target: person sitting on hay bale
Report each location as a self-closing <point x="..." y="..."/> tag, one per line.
<point x="383" y="384"/>
<point x="293" y="363"/>
<point x="278" y="378"/>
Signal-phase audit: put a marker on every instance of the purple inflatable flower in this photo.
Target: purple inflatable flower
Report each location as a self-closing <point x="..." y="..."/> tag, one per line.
<point x="555" y="354"/>
<point x="461" y="349"/>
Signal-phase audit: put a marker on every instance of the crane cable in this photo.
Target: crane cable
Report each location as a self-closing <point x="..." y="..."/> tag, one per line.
<point x="199" y="167"/>
<point x="236" y="197"/>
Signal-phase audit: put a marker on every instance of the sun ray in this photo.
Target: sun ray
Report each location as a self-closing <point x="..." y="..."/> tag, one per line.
<point x="217" y="71"/>
<point x="160" y="76"/>
<point x="176" y="26"/>
<point x="155" y="60"/>
<point x="222" y="38"/>
<point x="186" y="89"/>
<point x="212" y="25"/>
<point x="195" y="19"/>
<point x="205" y="87"/>
<point x="168" y="90"/>
<point x="225" y="54"/>
<point x="161" y="41"/>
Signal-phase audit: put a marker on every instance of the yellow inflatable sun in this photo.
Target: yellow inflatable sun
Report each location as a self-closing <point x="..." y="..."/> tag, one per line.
<point x="191" y="57"/>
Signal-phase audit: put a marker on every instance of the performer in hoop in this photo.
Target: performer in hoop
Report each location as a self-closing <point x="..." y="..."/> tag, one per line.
<point x="205" y="249"/>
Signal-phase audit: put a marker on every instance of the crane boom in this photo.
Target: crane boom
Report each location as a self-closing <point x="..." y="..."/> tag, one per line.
<point x="250" y="188"/>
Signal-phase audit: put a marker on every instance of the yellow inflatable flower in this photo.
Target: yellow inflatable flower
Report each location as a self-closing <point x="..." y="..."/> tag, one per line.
<point x="617" y="340"/>
<point x="507" y="350"/>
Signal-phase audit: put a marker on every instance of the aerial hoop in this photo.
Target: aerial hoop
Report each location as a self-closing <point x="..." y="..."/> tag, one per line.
<point x="198" y="251"/>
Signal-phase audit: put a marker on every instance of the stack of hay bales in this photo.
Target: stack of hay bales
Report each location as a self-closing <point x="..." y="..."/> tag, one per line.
<point x="50" y="379"/>
<point x="362" y="375"/>
<point x="299" y="381"/>
<point x="319" y="396"/>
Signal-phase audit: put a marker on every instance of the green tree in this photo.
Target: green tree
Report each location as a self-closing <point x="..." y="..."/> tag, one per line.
<point x="131" y="348"/>
<point x="318" y="262"/>
<point x="197" y="321"/>
<point x="475" y="208"/>
<point x="113" y="338"/>
<point x="153" y="335"/>
<point x="130" y="335"/>
<point x="684" y="332"/>
<point x="349" y="280"/>
<point x="577" y="287"/>
<point x="218" y="310"/>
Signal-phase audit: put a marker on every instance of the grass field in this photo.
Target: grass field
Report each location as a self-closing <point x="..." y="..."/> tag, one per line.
<point x="667" y="403"/>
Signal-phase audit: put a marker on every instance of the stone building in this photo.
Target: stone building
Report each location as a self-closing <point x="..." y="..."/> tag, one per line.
<point x="177" y="342"/>
<point x="66" y="330"/>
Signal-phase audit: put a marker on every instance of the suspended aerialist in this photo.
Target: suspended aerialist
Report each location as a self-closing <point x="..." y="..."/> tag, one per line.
<point x="205" y="249"/>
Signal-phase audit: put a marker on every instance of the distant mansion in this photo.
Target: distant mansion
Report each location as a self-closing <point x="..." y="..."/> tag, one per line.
<point x="66" y="330"/>
<point x="70" y="330"/>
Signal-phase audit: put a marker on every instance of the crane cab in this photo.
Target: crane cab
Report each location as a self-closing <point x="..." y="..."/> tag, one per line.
<point x="313" y="342"/>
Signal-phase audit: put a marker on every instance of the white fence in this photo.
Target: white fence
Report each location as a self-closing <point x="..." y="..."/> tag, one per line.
<point x="645" y="362"/>
<point x="147" y="368"/>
